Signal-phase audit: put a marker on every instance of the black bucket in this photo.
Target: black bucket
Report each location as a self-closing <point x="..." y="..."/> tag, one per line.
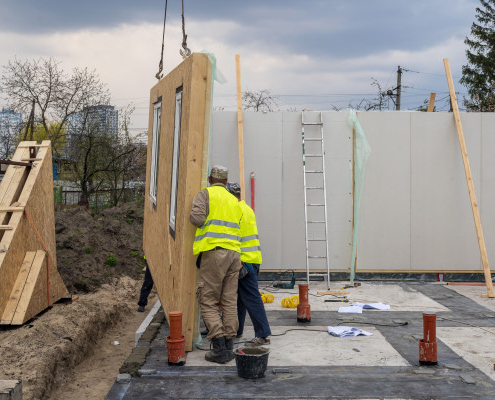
<point x="251" y="362"/>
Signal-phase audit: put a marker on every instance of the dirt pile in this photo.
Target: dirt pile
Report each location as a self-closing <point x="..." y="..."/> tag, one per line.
<point x="43" y="351"/>
<point x="94" y="249"/>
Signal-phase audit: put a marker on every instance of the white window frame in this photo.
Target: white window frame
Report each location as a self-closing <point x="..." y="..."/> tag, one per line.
<point x="155" y="150"/>
<point x="175" y="162"/>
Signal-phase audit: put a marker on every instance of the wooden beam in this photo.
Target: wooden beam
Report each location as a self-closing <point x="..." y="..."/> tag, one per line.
<point x="333" y="292"/>
<point x="240" y="133"/>
<point x="11" y="209"/>
<point x="469" y="179"/>
<point x="431" y="104"/>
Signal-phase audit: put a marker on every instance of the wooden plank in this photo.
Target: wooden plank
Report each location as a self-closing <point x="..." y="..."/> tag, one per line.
<point x="35" y="278"/>
<point x="333" y="292"/>
<point x="11" y="209"/>
<point x="32" y="187"/>
<point x="431" y="104"/>
<point x="9" y="311"/>
<point x="469" y="180"/>
<point x="240" y="128"/>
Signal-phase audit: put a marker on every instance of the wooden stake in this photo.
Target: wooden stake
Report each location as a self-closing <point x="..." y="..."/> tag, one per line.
<point x="469" y="179"/>
<point x="431" y="104"/>
<point x="240" y="134"/>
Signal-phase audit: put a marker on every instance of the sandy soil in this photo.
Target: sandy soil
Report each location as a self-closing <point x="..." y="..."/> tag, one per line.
<point x="67" y="352"/>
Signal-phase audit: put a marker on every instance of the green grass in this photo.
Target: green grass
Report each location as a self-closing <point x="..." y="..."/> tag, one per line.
<point x="111" y="260"/>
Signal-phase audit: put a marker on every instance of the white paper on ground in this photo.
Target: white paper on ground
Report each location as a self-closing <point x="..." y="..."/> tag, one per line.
<point x="374" y="306"/>
<point x="346" y="331"/>
<point x="351" y="310"/>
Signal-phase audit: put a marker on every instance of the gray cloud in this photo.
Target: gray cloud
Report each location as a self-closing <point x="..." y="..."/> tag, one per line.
<point x="341" y="28"/>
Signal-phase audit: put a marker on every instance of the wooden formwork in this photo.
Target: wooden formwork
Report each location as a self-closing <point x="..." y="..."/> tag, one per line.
<point x="29" y="279"/>
<point x="169" y="254"/>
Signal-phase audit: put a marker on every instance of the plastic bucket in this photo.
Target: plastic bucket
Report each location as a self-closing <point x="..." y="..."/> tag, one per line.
<point x="251" y="362"/>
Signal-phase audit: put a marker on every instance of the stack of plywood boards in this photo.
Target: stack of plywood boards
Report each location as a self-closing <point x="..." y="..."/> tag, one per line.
<point x="29" y="280"/>
<point x="180" y="109"/>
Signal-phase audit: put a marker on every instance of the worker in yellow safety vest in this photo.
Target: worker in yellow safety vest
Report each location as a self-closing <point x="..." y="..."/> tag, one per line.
<point x="217" y="215"/>
<point x="248" y="295"/>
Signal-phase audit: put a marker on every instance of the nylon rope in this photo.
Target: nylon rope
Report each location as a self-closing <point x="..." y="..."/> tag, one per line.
<point x="185" y="52"/>
<point x="160" y="64"/>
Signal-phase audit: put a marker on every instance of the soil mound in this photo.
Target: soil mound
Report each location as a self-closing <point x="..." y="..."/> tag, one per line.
<point x="94" y="249"/>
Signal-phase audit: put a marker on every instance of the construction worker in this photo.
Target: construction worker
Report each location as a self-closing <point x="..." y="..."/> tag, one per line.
<point x="217" y="215"/>
<point x="145" y="288"/>
<point x="248" y="295"/>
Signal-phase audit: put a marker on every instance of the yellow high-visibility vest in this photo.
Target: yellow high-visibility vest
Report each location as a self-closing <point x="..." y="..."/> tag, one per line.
<point x="250" y="243"/>
<point x="221" y="228"/>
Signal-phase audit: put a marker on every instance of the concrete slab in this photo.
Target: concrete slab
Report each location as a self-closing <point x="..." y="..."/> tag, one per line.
<point x="475" y="345"/>
<point x="315" y="346"/>
<point x="474" y="293"/>
<point x="312" y="364"/>
<point x="399" y="297"/>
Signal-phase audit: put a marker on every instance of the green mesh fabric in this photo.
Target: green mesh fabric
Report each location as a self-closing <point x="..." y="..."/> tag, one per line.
<point x="362" y="151"/>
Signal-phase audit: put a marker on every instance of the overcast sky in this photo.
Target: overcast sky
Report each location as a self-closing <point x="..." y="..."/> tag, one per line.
<point x="313" y="54"/>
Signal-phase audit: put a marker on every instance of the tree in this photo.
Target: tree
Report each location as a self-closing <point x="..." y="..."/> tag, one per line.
<point x="56" y="95"/>
<point x="261" y="100"/>
<point x="478" y="75"/>
<point x="129" y="157"/>
<point x="379" y="103"/>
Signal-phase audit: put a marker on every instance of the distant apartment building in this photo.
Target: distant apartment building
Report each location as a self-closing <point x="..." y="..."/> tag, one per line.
<point x="10" y="127"/>
<point x="100" y="119"/>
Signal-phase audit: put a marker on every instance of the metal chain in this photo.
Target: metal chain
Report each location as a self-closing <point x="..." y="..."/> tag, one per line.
<point x="185" y="52"/>
<point x="160" y="64"/>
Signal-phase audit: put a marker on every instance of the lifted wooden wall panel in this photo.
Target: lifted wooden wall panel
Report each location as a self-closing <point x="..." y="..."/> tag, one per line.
<point x="170" y="259"/>
<point x="31" y="188"/>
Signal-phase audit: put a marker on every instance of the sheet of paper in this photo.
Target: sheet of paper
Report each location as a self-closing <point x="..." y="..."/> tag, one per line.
<point x="351" y="310"/>
<point x="373" y="306"/>
<point x="347" y="331"/>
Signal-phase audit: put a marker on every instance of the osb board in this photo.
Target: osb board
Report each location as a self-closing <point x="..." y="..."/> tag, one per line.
<point x="170" y="259"/>
<point x="31" y="188"/>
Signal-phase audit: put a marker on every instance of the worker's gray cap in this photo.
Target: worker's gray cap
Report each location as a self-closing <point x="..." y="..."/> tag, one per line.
<point x="234" y="187"/>
<point x="219" y="172"/>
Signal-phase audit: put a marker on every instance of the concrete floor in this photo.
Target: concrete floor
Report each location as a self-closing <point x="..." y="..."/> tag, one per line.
<point x="310" y="363"/>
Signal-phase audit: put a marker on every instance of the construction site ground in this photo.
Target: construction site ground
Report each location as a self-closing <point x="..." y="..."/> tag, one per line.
<point x="306" y="362"/>
<point x="70" y="351"/>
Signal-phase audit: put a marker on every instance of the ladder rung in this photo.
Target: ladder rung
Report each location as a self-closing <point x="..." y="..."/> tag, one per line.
<point x="314" y="171"/>
<point x="315" y="204"/>
<point x="316" y="222"/>
<point x="312" y="140"/>
<point x="315" y="187"/>
<point x="317" y="240"/>
<point x="314" y="155"/>
<point x="317" y="256"/>
<point x="312" y="123"/>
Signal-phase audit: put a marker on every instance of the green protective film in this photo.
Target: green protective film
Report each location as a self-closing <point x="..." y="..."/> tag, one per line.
<point x="362" y="151"/>
<point x="220" y="78"/>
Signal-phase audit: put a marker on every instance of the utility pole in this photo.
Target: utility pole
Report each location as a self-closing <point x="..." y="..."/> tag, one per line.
<point x="399" y="76"/>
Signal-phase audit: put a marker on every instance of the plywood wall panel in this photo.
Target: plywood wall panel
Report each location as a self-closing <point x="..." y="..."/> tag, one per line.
<point x="170" y="259"/>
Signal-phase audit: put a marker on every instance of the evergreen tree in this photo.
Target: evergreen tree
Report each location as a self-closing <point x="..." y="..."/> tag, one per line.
<point x="479" y="74"/>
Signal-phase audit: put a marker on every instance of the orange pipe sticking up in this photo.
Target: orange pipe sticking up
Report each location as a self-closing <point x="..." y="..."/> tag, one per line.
<point x="303" y="308"/>
<point x="428" y="345"/>
<point x="176" y="343"/>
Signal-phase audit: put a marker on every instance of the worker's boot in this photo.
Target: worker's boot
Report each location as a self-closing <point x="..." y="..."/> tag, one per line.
<point x="229" y="344"/>
<point x="219" y="353"/>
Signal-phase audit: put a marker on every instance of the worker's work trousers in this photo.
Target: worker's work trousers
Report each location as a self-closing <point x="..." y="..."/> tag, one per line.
<point x="217" y="283"/>
<point x="249" y="299"/>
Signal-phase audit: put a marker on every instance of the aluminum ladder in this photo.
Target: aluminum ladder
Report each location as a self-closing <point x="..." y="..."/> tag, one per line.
<point x="315" y="196"/>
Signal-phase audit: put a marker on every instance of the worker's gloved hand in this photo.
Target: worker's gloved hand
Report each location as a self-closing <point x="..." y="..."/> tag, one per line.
<point x="243" y="272"/>
<point x="248" y="268"/>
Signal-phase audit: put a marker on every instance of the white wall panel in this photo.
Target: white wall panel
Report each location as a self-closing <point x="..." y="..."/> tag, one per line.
<point x="384" y="231"/>
<point x="443" y="236"/>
